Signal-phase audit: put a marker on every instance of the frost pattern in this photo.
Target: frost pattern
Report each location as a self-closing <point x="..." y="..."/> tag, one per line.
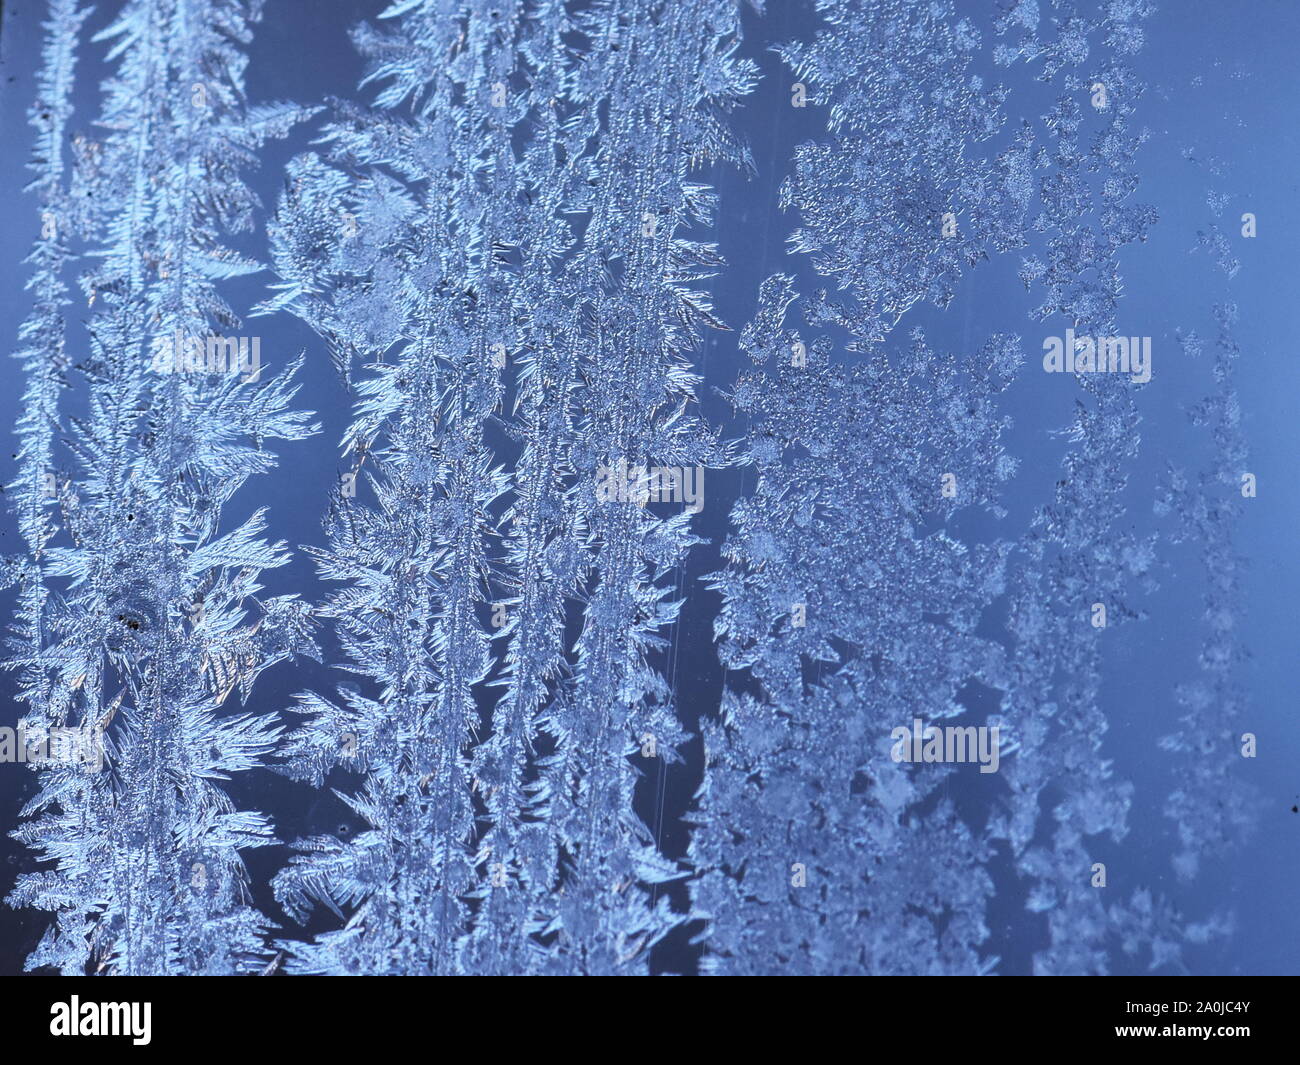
<point x="143" y="627"/>
<point x="566" y="260"/>
<point x="848" y="607"/>
<point x="814" y="852"/>
<point x="505" y="250"/>
<point x="1214" y="807"/>
<point x="1078" y="553"/>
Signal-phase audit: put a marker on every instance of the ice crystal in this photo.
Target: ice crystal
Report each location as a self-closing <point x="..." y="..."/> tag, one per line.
<point x="504" y="240"/>
<point x="143" y="626"/>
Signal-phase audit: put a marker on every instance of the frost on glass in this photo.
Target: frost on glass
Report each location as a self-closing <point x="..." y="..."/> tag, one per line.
<point x="848" y="606"/>
<point x="521" y="212"/>
<point x="149" y="616"/>
<point x="1080" y="552"/>
<point x="504" y="239"/>
<point x="405" y="271"/>
<point x="1213" y="807"/>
